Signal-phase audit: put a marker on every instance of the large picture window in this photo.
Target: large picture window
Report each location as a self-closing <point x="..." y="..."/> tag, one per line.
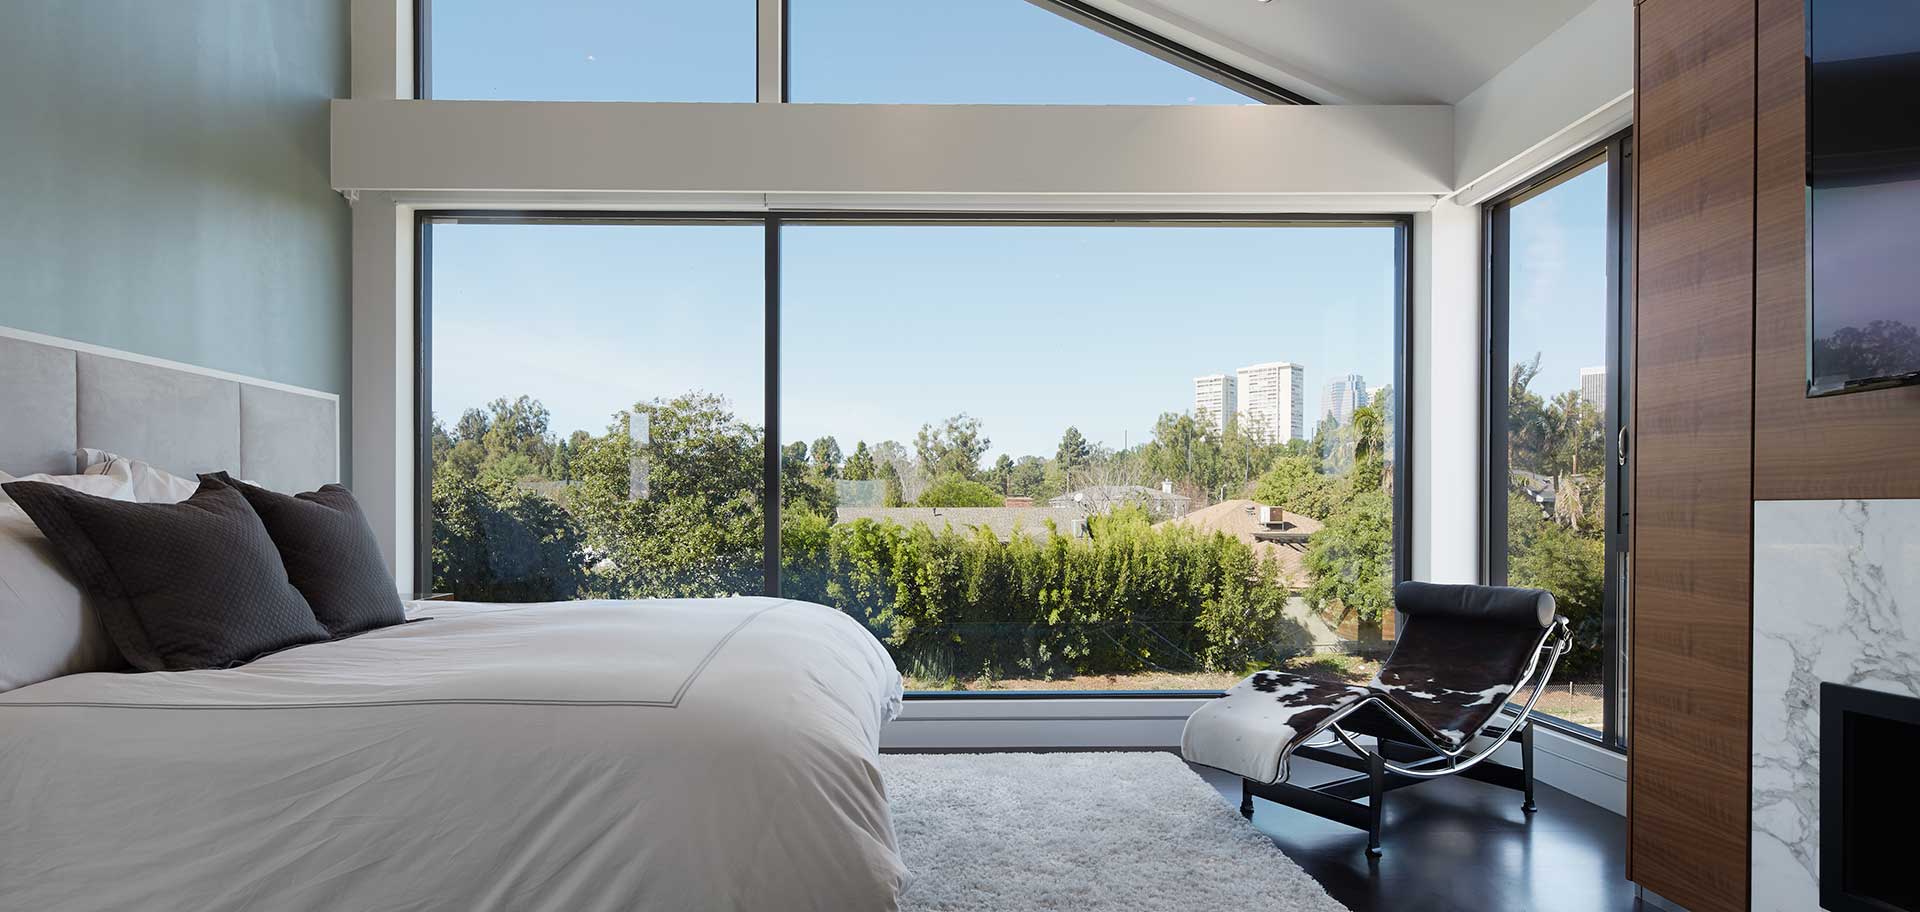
<point x="1029" y="454"/>
<point x="1557" y="400"/>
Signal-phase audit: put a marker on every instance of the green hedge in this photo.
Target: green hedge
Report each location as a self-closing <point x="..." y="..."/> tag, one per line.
<point x="959" y="604"/>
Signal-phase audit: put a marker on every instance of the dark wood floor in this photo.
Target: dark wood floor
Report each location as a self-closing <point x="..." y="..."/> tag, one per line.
<point x="1453" y="844"/>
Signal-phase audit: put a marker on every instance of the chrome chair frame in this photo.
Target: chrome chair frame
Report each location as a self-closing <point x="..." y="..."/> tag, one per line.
<point x="1397" y="762"/>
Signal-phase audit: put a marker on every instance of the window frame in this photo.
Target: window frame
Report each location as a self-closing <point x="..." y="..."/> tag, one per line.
<point x="1083" y="14"/>
<point x="1615" y="153"/>
<point x="771" y="222"/>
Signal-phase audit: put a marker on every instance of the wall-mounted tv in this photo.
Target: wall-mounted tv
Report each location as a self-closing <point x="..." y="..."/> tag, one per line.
<point x="1863" y="194"/>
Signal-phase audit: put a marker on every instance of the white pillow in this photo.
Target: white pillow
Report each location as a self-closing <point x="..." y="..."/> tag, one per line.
<point x="48" y="628"/>
<point x="113" y="482"/>
<point x="151" y="484"/>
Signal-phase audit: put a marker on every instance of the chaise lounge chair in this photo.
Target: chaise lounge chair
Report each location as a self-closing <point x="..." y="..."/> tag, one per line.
<point x="1434" y="709"/>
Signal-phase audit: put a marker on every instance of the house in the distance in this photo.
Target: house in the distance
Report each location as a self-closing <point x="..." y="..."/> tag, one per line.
<point x="1160" y="502"/>
<point x="1270" y="531"/>
<point x="1001" y="521"/>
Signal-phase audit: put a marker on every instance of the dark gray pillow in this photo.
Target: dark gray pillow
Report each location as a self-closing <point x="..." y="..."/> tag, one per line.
<point x="331" y="555"/>
<point x="197" y="584"/>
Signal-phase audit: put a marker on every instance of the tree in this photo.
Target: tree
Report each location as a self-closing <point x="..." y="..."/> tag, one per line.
<point x="860" y="466"/>
<point x="1294" y="484"/>
<point x="825" y="455"/>
<point x="896" y="494"/>
<point x="953" y="448"/>
<point x="1073" y="452"/>
<point x="1028" y="478"/>
<point x="1001" y="475"/>
<point x="955" y="491"/>
<point x="697" y="532"/>
<point x="1350" y="562"/>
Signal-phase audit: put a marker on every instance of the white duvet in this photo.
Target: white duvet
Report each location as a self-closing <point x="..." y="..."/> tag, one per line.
<point x="601" y="755"/>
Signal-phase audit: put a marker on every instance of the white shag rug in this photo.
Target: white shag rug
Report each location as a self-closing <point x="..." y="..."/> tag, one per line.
<point x="1084" y="832"/>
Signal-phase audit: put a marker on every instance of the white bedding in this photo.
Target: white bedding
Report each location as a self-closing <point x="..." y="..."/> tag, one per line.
<point x="673" y="754"/>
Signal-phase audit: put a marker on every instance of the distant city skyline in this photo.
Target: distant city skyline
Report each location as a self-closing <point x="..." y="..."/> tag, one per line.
<point x="1339" y="398"/>
<point x="1593" y="386"/>
<point x="1215" y="399"/>
<point x="1272" y="400"/>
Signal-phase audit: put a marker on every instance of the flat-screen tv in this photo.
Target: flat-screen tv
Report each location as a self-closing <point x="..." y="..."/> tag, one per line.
<point x="1863" y="194"/>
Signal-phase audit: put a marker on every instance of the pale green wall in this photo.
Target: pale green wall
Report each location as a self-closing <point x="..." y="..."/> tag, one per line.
<point x="163" y="181"/>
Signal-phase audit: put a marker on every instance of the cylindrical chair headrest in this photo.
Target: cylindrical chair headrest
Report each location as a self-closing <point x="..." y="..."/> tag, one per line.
<point x="1496" y="604"/>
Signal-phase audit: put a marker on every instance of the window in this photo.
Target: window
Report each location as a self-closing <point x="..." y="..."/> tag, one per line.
<point x="588" y="50"/>
<point x="1557" y="510"/>
<point x="1029" y="454"/>
<point x="597" y="400"/>
<point x="836" y="51"/>
<point x="983" y="52"/>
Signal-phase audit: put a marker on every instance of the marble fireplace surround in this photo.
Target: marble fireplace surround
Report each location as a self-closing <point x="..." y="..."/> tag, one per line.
<point x="1836" y="597"/>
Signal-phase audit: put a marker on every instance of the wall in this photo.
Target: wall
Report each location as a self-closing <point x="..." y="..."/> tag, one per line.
<point x="1570" y="91"/>
<point x="1692" y="451"/>
<point x="166" y="186"/>
<point x="1447" y="463"/>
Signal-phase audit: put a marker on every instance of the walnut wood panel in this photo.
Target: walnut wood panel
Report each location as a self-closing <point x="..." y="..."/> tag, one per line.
<point x="1858" y="445"/>
<point x="1693" y="448"/>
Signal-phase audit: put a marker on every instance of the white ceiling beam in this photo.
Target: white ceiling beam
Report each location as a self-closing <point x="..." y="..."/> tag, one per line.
<point x="407" y="146"/>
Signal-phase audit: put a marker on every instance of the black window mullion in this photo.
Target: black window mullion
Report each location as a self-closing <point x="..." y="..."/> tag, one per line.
<point x="770" y="462"/>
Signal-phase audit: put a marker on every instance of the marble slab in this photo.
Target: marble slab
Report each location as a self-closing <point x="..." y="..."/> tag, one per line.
<point x="1836" y="597"/>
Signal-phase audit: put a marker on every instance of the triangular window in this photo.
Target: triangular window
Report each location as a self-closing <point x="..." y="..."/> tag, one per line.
<point x="975" y="52"/>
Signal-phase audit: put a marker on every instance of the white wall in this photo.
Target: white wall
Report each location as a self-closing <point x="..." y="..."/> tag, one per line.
<point x="1571" y="90"/>
<point x="1447" y="466"/>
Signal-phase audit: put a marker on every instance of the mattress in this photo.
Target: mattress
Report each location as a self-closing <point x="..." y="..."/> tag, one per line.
<point x="592" y="755"/>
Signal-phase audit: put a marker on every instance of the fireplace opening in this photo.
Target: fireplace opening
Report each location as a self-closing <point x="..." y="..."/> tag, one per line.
<point x="1869" y="800"/>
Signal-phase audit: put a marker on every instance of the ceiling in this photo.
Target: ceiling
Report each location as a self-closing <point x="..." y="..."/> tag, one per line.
<point x="1359" y="51"/>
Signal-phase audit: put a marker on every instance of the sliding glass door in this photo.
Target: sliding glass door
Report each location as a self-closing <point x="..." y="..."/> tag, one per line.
<point x="1557" y="400"/>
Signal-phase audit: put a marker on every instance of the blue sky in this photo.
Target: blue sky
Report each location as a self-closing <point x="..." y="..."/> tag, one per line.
<point x="1558" y="285"/>
<point x="846" y="51"/>
<point x="889" y="327"/>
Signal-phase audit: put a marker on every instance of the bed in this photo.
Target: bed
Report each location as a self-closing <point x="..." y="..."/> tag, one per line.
<point x="672" y="754"/>
<point x="661" y="754"/>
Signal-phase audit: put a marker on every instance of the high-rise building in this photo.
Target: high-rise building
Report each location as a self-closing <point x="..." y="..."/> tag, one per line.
<point x="1593" y="386"/>
<point x="1339" y="398"/>
<point x="1273" y="400"/>
<point x="1214" y="399"/>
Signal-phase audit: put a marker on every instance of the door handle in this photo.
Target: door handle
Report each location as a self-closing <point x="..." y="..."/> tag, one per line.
<point x="1620" y="448"/>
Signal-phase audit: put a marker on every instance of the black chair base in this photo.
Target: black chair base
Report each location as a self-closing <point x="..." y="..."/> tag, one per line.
<point x="1340" y="800"/>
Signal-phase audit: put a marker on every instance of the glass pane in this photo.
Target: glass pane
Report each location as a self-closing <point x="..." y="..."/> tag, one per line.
<point x="1027" y="460"/>
<point x="592" y="50"/>
<point x="1556" y="422"/>
<point x="980" y="52"/>
<point x="597" y="410"/>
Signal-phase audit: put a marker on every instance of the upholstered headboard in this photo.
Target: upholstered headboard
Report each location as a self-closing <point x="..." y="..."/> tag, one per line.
<point x="57" y="396"/>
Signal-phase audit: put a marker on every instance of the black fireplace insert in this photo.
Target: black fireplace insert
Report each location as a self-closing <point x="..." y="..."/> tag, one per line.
<point x="1869" y="800"/>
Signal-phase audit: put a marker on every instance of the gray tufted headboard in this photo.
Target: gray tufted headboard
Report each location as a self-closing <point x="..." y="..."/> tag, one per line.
<point x="57" y="396"/>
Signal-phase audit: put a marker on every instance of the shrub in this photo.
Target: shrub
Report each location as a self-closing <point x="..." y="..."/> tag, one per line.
<point x="954" y="491"/>
<point x="1039" y="605"/>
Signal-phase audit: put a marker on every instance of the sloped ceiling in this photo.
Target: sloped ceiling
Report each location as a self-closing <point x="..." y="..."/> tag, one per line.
<point x="1359" y="51"/>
